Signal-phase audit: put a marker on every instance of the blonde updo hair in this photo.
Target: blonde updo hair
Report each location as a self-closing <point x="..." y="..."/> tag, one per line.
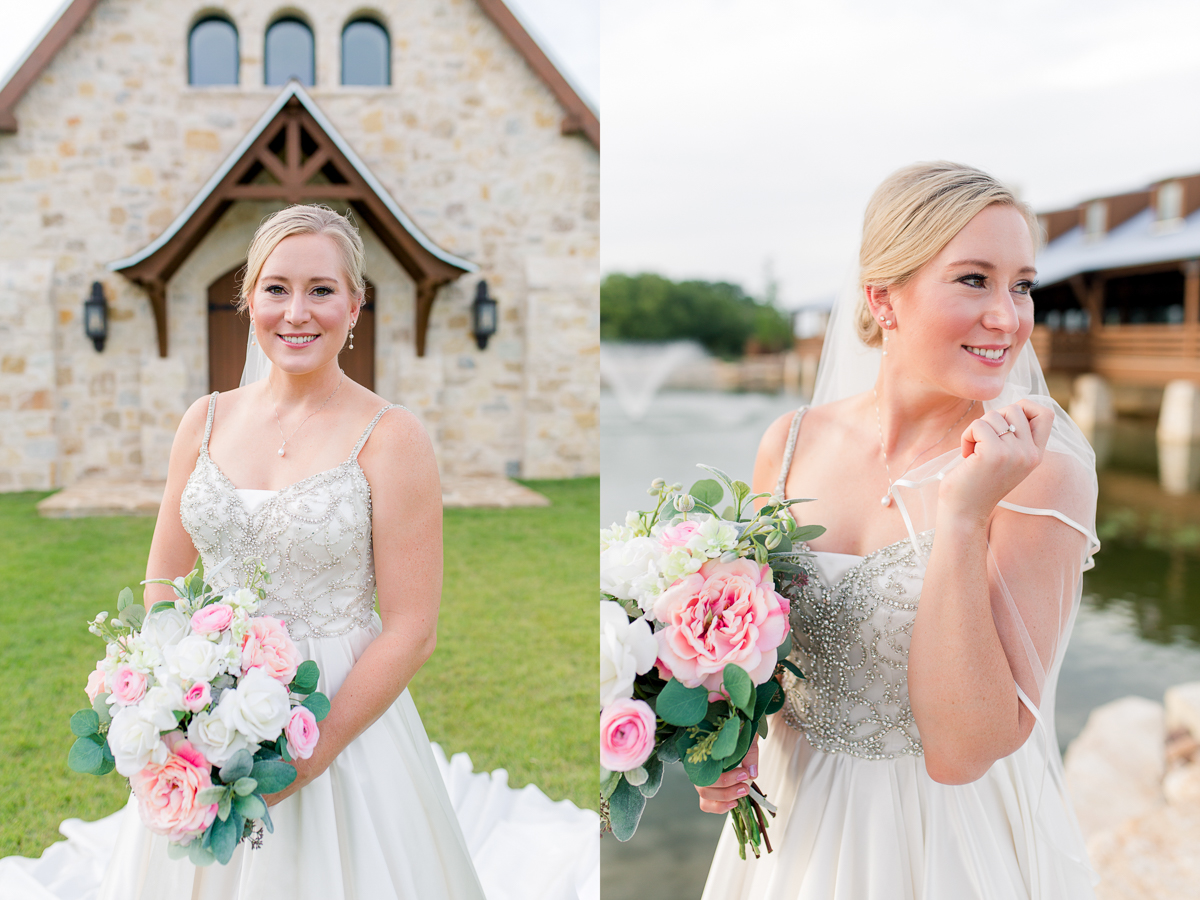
<point x="305" y="219"/>
<point x="914" y="214"/>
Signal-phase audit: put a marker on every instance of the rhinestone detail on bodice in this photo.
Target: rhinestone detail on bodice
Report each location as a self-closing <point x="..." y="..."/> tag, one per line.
<point x="313" y="537"/>
<point x="851" y="641"/>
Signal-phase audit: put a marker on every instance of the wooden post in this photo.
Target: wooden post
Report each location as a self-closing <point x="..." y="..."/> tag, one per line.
<point x="1191" y="292"/>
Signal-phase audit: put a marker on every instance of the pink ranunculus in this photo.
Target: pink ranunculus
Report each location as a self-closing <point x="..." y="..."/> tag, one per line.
<point x="199" y="695"/>
<point x="725" y="613"/>
<point x="95" y="683"/>
<point x="212" y="619"/>
<point x="268" y="645"/>
<point x="128" y="686"/>
<point x="677" y="535"/>
<point x="626" y="734"/>
<point x="302" y="733"/>
<point x="166" y="793"/>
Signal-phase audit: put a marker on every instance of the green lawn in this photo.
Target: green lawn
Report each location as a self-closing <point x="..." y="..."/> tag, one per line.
<point x="512" y="681"/>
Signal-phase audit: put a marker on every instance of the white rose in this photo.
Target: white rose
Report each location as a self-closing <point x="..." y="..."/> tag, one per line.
<point x="196" y="658"/>
<point x="134" y="741"/>
<point x="626" y="649"/>
<point x="624" y="567"/>
<point x="165" y="628"/>
<point x="259" y="706"/>
<point x="159" y="704"/>
<point x="214" y="734"/>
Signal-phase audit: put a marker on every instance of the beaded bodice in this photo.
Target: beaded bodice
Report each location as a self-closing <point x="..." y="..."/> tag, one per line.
<point x="313" y="537"/>
<point x="851" y="641"/>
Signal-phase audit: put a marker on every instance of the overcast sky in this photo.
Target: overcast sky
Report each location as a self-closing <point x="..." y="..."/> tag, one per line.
<point x="737" y="131"/>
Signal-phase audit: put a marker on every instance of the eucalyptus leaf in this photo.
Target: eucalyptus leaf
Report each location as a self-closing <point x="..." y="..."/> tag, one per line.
<point x="762" y="728"/>
<point x="178" y="851"/>
<point x="775" y="705"/>
<point x="703" y="773"/>
<point x="791" y="667"/>
<point x="739" y="687"/>
<point x="101" y="708"/>
<point x="161" y="605"/>
<point x="784" y="649"/>
<point x="318" y="703"/>
<point x="273" y="775"/>
<point x="654" y="770"/>
<point x="707" y="491"/>
<point x="625" y="810"/>
<point x="305" y="681"/>
<point x="124" y="599"/>
<point x="86" y="756"/>
<point x="679" y="705"/>
<point x="763" y="695"/>
<point x="784" y="545"/>
<point x="238" y="766"/>
<point x="133" y="616"/>
<point x="807" y="533"/>
<point x="745" y="734"/>
<point x="85" y="722"/>
<point x="729" y="513"/>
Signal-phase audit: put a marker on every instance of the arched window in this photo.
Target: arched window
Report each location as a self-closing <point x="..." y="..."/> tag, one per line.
<point x="213" y="52"/>
<point x="289" y="53"/>
<point x="366" y="53"/>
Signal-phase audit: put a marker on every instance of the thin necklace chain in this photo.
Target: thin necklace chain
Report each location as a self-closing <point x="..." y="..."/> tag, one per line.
<point x="886" y="499"/>
<point x="306" y="418"/>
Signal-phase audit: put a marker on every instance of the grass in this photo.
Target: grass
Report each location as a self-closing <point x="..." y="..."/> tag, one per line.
<point x="512" y="681"/>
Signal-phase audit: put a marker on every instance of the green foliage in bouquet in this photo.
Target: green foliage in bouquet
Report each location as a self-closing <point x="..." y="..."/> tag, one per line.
<point x="710" y="738"/>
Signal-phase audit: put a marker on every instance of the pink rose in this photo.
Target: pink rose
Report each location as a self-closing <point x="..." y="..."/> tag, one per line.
<point x="128" y="686"/>
<point x="95" y="683"/>
<point x="725" y="613"/>
<point x="212" y="619"/>
<point x="302" y="733"/>
<point x="199" y="695"/>
<point x="677" y="535"/>
<point x="268" y="645"/>
<point x="626" y="734"/>
<point x="167" y="793"/>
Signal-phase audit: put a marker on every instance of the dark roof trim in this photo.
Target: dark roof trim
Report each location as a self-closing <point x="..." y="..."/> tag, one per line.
<point x="21" y="78"/>
<point x="579" y="118"/>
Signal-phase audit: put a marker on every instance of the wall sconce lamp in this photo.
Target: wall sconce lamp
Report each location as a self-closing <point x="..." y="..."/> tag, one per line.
<point x="483" y="315"/>
<point x="95" y="316"/>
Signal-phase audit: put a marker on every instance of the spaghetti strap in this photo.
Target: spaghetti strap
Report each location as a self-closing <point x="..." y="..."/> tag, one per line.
<point x="212" y="408"/>
<point x="789" y="450"/>
<point x="366" y="434"/>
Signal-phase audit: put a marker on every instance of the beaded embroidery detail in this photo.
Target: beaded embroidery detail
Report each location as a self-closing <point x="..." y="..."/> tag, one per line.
<point x="313" y="537"/>
<point x="851" y="641"/>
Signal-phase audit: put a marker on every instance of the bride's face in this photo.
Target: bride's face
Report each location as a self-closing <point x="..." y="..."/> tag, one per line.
<point x="963" y="318"/>
<point x="302" y="305"/>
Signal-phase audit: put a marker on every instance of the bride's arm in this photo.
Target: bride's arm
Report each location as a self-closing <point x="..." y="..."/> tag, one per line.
<point x="171" y="551"/>
<point x="406" y="522"/>
<point x="978" y="634"/>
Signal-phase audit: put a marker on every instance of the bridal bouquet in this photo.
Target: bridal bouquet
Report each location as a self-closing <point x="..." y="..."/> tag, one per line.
<point x="201" y="704"/>
<point x="692" y="632"/>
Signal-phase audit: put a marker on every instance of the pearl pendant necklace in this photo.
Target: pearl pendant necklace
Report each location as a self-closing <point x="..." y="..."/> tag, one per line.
<point x="306" y="418"/>
<point x="886" y="500"/>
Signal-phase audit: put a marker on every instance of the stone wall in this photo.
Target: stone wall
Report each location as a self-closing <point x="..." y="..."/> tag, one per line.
<point x="28" y="448"/>
<point x="113" y="144"/>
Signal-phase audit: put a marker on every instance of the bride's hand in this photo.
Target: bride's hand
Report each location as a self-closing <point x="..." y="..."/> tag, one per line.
<point x="1000" y="449"/>
<point x="723" y="794"/>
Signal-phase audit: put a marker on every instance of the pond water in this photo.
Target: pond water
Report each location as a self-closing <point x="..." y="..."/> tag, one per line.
<point x="1138" y="630"/>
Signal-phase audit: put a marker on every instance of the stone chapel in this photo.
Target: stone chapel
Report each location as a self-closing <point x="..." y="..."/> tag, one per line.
<point x="141" y="143"/>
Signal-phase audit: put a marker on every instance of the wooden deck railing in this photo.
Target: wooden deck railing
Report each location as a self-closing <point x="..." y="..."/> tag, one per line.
<point x="1143" y="354"/>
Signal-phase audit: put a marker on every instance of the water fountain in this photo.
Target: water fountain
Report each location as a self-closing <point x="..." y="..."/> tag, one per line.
<point x="637" y="371"/>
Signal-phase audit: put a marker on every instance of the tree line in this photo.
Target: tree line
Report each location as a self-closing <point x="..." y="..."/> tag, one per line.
<point x="719" y="315"/>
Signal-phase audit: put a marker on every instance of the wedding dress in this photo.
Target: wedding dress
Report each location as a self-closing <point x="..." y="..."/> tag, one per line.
<point x="379" y="823"/>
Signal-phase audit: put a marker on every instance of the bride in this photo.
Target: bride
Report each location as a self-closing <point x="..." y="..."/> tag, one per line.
<point x="919" y="759"/>
<point x="337" y="492"/>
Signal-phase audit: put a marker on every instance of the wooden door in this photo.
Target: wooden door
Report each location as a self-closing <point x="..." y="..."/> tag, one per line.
<point x="228" y="330"/>
<point x="227" y="333"/>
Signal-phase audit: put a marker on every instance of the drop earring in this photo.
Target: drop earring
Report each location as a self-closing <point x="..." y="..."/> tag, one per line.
<point x="351" y="336"/>
<point x="887" y="324"/>
<point x="253" y="339"/>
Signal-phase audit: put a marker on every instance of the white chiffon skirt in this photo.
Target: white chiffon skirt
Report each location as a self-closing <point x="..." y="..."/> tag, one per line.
<point x="857" y="829"/>
<point x="390" y="818"/>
